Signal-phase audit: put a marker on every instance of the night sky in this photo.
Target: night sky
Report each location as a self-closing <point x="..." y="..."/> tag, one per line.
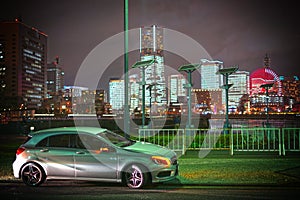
<point x="237" y="32"/>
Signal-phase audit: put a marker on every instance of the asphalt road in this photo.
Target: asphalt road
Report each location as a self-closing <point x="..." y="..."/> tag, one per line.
<point x="94" y="190"/>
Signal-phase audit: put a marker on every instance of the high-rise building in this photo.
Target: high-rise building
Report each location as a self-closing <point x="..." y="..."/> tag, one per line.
<point x="176" y="88"/>
<point x="55" y="78"/>
<point x="116" y="94"/>
<point x="101" y="105"/>
<point x="23" y="61"/>
<point x="209" y="77"/>
<point x="151" y="47"/>
<point x="134" y="92"/>
<point x="240" y="87"/>
<point x="210" y="80"/>
<point x="290" y="91"/>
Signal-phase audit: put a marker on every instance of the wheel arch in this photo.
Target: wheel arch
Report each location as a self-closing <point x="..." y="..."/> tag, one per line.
<point x="139" y="164"/>
<point x="38" y="164"/>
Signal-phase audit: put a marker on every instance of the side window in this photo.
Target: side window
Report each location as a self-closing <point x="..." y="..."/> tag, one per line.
<point x="59" y="141"/>
<point x="55" y="141"/>
<point x="89" y="142"/>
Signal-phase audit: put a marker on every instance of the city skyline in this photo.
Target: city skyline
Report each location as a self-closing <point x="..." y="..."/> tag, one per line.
<point x="236" y="33"/>
<point x="28" y="74"/>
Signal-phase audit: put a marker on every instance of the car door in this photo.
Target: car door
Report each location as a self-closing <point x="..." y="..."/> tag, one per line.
<point x="94" y="158"/>
<point x="55" y="151"/>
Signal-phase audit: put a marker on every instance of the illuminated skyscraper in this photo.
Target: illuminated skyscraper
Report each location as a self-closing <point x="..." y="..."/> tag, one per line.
<point x="209" y="77"/>
<point x="116" y="94"/>
<point x="290" y="91"/>
<point x="23" y="61"/>
<point x="176" y="88"/>
<point x="55" y="78"/>
<point x="210" y="80"/>
<point x="151" y="47"/>
<point x="240" y="87"/>
<point x="134" y="92"/>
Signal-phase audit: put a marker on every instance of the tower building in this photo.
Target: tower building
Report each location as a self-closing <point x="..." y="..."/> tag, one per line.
<point x="151" y="47"/>
<point x="116" y="93"/>
<point x="240" y="87"/>
<point x="55" y="78"/>
<point x="23" y="61"/>
<point x="176" y="88"/>
<point x="209" y="77"/>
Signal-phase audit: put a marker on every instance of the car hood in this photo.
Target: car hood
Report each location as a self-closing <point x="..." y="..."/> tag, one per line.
<point x="148" y="148"/>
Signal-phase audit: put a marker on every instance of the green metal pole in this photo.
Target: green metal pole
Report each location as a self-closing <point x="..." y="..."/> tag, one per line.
<point x="267" y="97"/>
<point x="143" y="96"/>
<point x="189" y="100"/>
<point x="231" y="142"/>
<point x="226" y="98"/>
<point x="126" y="76"/>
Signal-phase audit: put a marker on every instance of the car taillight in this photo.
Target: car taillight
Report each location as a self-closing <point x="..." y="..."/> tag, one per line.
<point x="20" y="150"/>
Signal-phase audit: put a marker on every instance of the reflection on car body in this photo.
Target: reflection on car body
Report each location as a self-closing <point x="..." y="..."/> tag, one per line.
<point x="90" y="153"/>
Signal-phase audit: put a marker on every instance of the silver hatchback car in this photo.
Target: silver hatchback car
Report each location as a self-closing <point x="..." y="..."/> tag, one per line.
<point x="90" y="153"/>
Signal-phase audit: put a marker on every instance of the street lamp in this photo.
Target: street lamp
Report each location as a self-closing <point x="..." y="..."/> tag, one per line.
<point x="226" y="72"/>
<point x="189" y="69"/>
<point x="142" y="65"/>
<point x="267" y="87"/>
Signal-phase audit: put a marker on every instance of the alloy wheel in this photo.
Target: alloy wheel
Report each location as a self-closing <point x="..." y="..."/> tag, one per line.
<point x="135" y="178"/>
<point x="32" y="175"/>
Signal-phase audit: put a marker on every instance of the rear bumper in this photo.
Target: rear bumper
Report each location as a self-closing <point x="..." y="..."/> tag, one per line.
<point x="16" y="168"/>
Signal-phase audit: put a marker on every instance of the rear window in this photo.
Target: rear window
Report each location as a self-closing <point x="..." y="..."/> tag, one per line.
<point x="27" y="139"/>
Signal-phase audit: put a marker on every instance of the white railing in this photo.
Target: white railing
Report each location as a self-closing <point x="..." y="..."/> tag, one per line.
<point x="171" y="138"/>
<point x="290" y="139"/>
<point x="256" y="139"/>
<point x="235" y="139"/>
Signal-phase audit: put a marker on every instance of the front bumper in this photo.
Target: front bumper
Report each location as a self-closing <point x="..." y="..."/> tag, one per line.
<point x="165" y="174"/>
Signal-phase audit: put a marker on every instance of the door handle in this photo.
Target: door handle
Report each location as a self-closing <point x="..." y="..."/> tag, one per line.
<point x="79" y="152"/>
<point x="44" y="150"/>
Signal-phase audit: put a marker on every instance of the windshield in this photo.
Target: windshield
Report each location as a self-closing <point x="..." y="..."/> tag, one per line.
<point x="116" y="139"/>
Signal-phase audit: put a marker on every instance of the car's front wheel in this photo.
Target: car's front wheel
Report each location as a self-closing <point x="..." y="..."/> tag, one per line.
<point x="32" y="174"/>
<point x="135" y="176"/>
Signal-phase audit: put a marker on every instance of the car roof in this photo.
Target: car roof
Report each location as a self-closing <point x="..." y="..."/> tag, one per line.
<point x="86" y="129"/>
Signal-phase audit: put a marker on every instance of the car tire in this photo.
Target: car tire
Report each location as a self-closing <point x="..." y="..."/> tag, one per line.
<point x="32" y="174"/>
<point x="135" y="176"/>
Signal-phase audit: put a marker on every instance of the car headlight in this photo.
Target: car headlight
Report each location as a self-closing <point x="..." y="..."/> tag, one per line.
<point x="161" y="160"/>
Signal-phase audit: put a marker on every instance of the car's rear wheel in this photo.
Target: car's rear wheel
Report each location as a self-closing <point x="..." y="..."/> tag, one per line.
<point x="135" y="176"/>
<point x="32" y="174"/>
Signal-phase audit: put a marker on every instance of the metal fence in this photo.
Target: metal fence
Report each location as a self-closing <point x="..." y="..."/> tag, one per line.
<point x="236" y="139"/>
<point x="172" y="138"/>
<point x="256" y="139"/>
<point x="290" y="139"/>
